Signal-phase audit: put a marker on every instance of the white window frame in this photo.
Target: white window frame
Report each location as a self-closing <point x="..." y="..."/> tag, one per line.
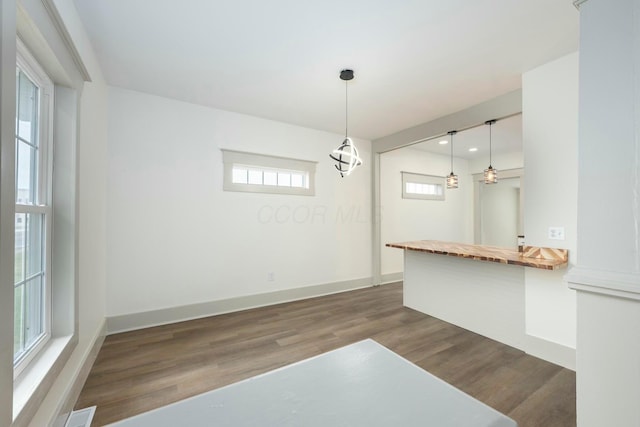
<point x="266" y="162"/>
<point x="418" y="178"/>
<point x="43" y="205"/>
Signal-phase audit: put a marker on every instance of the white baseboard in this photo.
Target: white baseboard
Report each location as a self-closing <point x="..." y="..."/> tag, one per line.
<point x="72" y="392"/>
<point x="391" y="278"/>
<point x="551" y="351"/>
<point x="133" y="321"/>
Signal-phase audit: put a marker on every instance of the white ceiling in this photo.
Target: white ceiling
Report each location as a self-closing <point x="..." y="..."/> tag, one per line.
<point x="414" y="60"/>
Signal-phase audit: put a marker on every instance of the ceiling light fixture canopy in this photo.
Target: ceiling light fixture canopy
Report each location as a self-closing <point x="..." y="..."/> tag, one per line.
<point x="452" y="180"/>
<point x="490" y="174"/>
<point x="346" y="155"/>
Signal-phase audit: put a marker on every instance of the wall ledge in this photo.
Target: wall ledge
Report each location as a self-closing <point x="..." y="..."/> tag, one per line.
<point x="163" y="316"/>
<point x="611" y="283"/>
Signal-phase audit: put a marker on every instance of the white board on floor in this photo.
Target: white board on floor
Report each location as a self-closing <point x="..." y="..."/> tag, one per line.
<point x="363" y="384"/>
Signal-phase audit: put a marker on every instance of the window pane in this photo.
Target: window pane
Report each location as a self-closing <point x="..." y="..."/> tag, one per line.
<point x="411" y="188"/>
<point x="34" y="244"/>
<point x="239" y="176"/>
<point x="26" y="173"/>
<point x="297" y="180"/>
<point x="270" y="178"/>
<point x="284" y="179"/>
<point x="27" y="109"/>
<point x="20" y="247"/>
<point x="255" y="177"/>
<point x="18" y="322"/>
<point x="33" y="305"/>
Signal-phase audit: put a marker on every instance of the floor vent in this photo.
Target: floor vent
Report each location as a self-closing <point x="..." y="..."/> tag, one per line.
<point x="81" y="417"/>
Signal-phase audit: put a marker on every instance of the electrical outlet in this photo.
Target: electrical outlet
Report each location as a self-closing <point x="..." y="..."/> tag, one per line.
<point x="556" y="233"/>
<point x="271" y="277"/>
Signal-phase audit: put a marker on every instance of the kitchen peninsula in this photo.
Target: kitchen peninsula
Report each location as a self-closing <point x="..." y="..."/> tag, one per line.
<point x="477" y="287"/>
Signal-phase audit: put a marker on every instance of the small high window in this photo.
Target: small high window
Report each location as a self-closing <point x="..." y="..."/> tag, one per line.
<point x="261" y="173"/>
<point x="419" y="186"/>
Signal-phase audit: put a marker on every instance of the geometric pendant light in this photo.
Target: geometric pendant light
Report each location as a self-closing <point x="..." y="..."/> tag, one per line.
<point x="452" y="180"/>
<point x="490" y="174"/>
<point x="346" y="155"/>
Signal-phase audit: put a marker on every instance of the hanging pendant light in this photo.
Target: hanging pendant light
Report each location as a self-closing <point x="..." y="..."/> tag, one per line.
<point x="346" y="155"/>
<point x="452" y="180"/>
<point x="490" y="174"/>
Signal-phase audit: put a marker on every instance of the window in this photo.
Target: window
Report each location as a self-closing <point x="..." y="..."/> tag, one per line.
<point x="260" y="173"/>
<point x="33" y="135"/>
<point x="418" y="186"/>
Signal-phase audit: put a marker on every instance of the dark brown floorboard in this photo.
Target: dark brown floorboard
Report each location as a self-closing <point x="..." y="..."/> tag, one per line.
<point x="142" y="370"/>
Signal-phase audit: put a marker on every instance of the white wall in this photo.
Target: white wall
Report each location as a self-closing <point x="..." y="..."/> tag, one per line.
<point x="408" y="219"/>
<point x="550" y="117"/>
<point x="175" y="238"/>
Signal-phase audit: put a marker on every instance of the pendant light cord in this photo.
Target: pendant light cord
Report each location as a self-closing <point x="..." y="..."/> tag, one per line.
<point x="346" y="108"/>
<point x="490" y="125"/>
<point x="452" y="153"/>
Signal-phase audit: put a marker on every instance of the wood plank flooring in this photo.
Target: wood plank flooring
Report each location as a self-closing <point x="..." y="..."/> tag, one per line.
<point x="142" y="370"/>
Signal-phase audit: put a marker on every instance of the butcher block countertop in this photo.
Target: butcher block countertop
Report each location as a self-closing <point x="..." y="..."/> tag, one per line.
<point x="531" y="256"/>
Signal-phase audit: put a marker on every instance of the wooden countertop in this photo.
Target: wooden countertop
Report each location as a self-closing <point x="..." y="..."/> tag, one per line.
<point x="531" y="256"/>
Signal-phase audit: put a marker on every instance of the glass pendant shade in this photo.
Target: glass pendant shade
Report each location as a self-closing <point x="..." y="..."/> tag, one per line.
<point x="346" y="155"/>
<point x="452" y="181"/>
<point x="490" y="174"/>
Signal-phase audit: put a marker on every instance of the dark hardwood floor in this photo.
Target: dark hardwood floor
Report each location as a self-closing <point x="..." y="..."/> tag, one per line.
<point x="142" y="370"/>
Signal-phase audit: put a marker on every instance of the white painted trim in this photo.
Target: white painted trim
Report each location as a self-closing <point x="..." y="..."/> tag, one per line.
<point x="611" y="283"/>
<point x="551" y="352"/>
<point x="8" y="17"/>
<point x="72" y="392"/>
<point x="391" y="278"/>
<point x="58" y="22"/>
<point x="33" y="384"/>
<point x="163" y="316"/>
<point x="376" y="223"/>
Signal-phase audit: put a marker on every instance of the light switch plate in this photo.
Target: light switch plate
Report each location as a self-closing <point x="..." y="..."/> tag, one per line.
<point x="556" y="233"/>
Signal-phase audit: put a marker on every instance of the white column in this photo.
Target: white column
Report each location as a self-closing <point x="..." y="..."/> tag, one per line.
<point x="607" y="275"/>
<point x="7" y="202"/>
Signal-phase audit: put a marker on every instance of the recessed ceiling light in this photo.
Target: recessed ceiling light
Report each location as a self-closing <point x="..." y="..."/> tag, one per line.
<point x="443" y="142"/>
<point x="473" y="149"/>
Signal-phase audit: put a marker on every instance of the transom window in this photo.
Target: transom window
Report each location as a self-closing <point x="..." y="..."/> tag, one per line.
<point x="419" y="186"/>
<point x="261" y="173"/>
<point x="33" y="134"/>
<point x="243" y="174"/>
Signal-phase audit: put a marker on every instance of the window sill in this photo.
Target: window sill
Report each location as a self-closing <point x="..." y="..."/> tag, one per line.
<point x="33" y="383"/>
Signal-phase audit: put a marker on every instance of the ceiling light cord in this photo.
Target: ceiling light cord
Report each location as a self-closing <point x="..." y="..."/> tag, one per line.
<point x="346" y="155"/>
<point x="346" y="108"/>
<point x="451" y="133"/>
<point x="490" y="162"/>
